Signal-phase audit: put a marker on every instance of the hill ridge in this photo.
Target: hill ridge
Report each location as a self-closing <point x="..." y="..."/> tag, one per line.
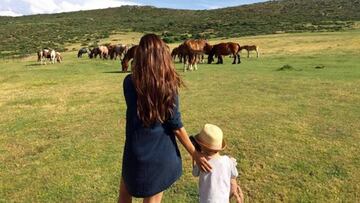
<point x="25" y="34"/>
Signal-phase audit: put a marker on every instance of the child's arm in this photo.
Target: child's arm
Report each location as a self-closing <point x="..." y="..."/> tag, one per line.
<point x="236" y="191"/>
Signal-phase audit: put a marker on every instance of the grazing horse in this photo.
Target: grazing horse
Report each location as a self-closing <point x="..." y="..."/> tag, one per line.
<point x="82" y="51"/>
<point x="128" y="56"/>
<point x="102" y="51"/>
<point x="175" y="53"/>
<point x="192" y="48"/>
<point x="52" y="56"/>
<point x="224" y="49"/>
<point x="249" y="48"/>
<point x="117" y="50"/>
<point x="58" y="57"/>
<point x="94" y="52"/>
<point x="45" y="54"/>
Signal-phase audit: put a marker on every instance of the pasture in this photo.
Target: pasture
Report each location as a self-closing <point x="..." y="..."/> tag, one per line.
<point x="295" y="133"/>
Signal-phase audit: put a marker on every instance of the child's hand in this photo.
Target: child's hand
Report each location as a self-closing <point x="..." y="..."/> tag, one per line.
<point x="236" y="192"/>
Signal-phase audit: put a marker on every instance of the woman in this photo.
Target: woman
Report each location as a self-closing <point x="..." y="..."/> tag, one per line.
<point x="151" y="161"/>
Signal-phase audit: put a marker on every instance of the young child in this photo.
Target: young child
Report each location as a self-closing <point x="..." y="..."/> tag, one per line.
<point x="220" y="184"/>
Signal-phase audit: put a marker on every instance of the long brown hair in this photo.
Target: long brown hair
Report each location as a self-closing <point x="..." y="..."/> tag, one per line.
<point x="155" y="79"/>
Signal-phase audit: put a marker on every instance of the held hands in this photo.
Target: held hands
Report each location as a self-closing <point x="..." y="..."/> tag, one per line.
<point x="201" y="161"/>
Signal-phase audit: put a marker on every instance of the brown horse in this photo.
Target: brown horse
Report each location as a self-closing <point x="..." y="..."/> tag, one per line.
<point x="178" y="52"/>
<point x="117" y="50"/>
<point x="192" y="48"/>
<point x="224" y="49"/>
<point x="175" y="53"/>
<point x="58" y="57"/>
<point x="128" y="56"/>
<point x="249" y="48"/>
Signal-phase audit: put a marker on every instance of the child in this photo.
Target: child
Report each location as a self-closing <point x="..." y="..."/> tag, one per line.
<point x="220" y="184"/>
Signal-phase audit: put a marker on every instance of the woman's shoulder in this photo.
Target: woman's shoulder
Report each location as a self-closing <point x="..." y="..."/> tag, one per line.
<point x="127" y="78"/>
<point x="127" y="81"/>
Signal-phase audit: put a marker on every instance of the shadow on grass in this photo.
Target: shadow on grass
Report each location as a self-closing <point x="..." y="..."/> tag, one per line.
<point x="118" y="71"/>
<point x="33" y="64"/>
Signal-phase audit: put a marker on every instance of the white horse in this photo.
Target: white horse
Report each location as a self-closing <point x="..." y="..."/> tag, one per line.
<point x="52" y="56"/>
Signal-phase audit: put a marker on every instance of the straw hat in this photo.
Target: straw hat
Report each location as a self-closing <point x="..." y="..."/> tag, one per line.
<point x="211" y="138"/>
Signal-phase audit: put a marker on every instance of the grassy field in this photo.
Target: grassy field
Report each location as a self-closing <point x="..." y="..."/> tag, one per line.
<point x="295" y="133"/>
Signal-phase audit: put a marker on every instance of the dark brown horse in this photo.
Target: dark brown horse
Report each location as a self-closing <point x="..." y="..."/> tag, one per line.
<point x="179" y="52"/>
<point x="249" y="48"/>
<point x="192" y="48"/>
<point x="128" y="56"/>
<point x="224" y="49"/>
<point x="175" y="53"/>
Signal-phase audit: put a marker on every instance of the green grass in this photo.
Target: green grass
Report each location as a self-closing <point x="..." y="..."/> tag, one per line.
<point x="295" y="134"/>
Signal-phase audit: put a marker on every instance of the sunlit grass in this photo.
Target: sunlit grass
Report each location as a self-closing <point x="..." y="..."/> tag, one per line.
<point x="295" y="134"/>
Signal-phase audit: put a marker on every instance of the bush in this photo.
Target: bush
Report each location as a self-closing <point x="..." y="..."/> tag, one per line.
<point x="168" y="40"/>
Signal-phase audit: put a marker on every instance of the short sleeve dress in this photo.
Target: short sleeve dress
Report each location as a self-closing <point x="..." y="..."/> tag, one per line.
<point x="151" y="159"/>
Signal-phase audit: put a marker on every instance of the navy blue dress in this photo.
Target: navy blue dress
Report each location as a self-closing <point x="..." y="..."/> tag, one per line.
<point x="151" y="161"/>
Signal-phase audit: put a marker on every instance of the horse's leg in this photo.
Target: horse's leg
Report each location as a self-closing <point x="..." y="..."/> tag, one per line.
<point x="196" y="61"/>
<point x="191" y="59"/>
<point x="191" y="63"/>
<point x="238" y="56"/>
<point x="248" y="53"/>
<point x="185" y="62"/>
<point x="218" y="60"/>
<point x="257" y="54"/>
<point x="234" y="55"/>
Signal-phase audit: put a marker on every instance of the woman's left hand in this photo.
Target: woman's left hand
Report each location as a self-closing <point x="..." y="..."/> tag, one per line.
<point x="202" y="162"/>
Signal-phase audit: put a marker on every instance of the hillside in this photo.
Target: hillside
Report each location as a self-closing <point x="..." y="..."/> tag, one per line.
<point x="23" y="35"/>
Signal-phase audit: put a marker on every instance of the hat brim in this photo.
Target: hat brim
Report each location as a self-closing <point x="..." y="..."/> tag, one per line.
<point x="211" y="148"/>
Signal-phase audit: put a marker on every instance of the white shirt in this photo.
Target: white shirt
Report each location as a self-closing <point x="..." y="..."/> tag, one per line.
<point x="214" y="187"/>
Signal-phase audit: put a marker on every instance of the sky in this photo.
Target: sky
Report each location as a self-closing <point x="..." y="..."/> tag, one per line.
<point x="29" y="7"/>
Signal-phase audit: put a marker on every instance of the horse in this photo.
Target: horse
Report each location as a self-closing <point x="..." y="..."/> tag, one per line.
<point x="117" y="50"/>
<point x="249" y="48"/>
<point x="82" y="51"/>
<point x="94" y="52"/>
<point x="174" y="53"/>
<point x="45" y="54"/>
<point x="192" y="48"/>
<point x="224" y="49"/>
<point x="102" y="51"/>
<point x="52" y="56"/>
<point x="58" y="57"/>
<point x="128" y="56"/>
